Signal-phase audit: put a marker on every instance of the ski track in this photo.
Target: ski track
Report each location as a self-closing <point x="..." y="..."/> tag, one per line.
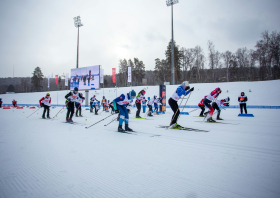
<point x="47" y="158"/>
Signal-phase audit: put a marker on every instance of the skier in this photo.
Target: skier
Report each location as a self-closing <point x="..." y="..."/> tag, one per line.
<point x="156" y="103"/>
<point x="1" y="102"/>
<point x="128" y="108"/>
<point x="103" y="102"/>
<point x="14" y="103"/>
<point x="202" y="106"/>
<point x="92" y="99"/>
<point x="181" y="90"/>
<point x="71" y="98"/>
<point x="46" y="103"/>
<point x="150" y="103"/>
<point x="215" y="106"/>
<point x="144" y="105"/>
<point x="213" y="95"/>
<point x="96" y="105"/>
<point x="138" y="101"/>
<point x="120" y="107"/>
<point x="242" y="99"/>
<point x="78" y="105"/>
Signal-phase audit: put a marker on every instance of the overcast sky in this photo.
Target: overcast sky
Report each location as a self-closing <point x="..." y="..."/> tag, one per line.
<point x="42" y="33"/>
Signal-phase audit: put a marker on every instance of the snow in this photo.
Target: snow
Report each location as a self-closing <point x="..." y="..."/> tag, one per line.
<point x="49" y="158"/>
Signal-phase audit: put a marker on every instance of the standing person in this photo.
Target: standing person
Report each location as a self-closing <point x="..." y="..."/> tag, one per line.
<point x="96" y="105"/>
<point x="207" y="101"/>
<point x="92" y="99"/>
<point x="150" y="103"/>
<point x="1" y="102"/>
<point x="120" y="104"/>
<point x="71" y="98"/>
<point x="14" y="103"/>
<point x="202" y="106"/>
<point x="242" y="99"/>
<point x="103" y="102"/>
<point x="78" y="105"/>
<point x="138" y="101"/>
<point x="173" y="102"/>
<point x="46" y="103"/>
<point x="144" y="105"/>
<point x="156" y="104"/>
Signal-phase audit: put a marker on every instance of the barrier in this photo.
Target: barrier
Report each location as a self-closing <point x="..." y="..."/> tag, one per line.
<point x="184" y="113"/>
<point x="245" y="115"/>
<point x="19" y="107"/>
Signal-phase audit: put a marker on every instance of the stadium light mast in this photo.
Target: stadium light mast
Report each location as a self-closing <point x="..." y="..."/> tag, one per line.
<point x="77" y="23"/>
<point x="171" y="3"/>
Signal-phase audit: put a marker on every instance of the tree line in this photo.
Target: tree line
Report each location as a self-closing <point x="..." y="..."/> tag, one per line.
<point x="192" y="64"/>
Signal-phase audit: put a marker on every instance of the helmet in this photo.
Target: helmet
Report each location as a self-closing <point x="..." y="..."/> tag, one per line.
<point x="76" y="89"/>
<point x="47" y="94"/>
<point x="132" y="93"/>
<point x="185" y="84"/>
<point x="228" y="99"/>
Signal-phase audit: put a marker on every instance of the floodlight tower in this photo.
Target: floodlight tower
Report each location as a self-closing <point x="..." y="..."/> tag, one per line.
<point x="171" y="3"/>
<point x="77" y="23"/>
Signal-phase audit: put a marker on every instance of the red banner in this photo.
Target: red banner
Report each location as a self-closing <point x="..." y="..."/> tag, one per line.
<point x="56" y="79"/>
<point x="114" y="75"/>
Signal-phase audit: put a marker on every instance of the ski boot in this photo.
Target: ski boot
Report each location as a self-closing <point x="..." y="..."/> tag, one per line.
<point x="210" y="119"/>
<point x="150" y="114"/>
<point x="220" y="119"/>
<point x="80" y="115"/>
<point x="138" y="117"/>
<point x="77" y="115"/>
<point x="127" y="128"/>
<point x="48" y="117"/>
<point x="67" y="119"/>
<point x="120" y="129"/>
<point x="70" y="120"/>
<point x="43" y="117"/>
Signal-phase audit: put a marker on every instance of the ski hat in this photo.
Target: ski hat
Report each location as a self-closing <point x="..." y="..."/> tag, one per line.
<point x="218" y="90"/>
<point x="98" y="102"/>
<point x="76" y="89"/>
<point x="205" y="96"/>
<point x="242" y="93"/>
<point x="132" y="93"/>
<point x="228" y="99"/>
<point x="47" y="94"/>
<point x="81" y="94"/>
<point x="185" y="84"/>
<point x="103" y="96"/>
<point x="155" y="97"/>
<point x="93" y="95"/>
<point x="143" y="92"/>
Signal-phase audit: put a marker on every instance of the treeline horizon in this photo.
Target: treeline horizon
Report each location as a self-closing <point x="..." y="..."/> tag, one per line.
<point x="192" y="64"/>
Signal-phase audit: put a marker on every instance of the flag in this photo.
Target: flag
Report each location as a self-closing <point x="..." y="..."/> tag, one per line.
<point x="66" y="79"/>
<point x="56" y="79"/>
<point x="114" y="75"/>
<point x="129" y="74"/>
<point x="101" y="75"/>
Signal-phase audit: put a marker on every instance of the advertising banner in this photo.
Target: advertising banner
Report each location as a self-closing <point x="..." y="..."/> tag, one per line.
<point x="101" y="75"/>
<point x="48" y="81"/>
<point x="66" y="79"/>
<point x="129" y="74"/>
<point x="162" y="94"/>
<point x="114" y="75"/>
<point x="56" y="80"/>
<point x="85" y="78"/>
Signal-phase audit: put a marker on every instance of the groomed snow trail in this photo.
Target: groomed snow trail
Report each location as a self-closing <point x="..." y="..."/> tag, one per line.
<point x="48" y="158"/>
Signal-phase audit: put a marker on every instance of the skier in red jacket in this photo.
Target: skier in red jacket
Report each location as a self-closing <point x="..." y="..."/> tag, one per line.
<point x="202" y="106"/>
<point x="46" y="103"/>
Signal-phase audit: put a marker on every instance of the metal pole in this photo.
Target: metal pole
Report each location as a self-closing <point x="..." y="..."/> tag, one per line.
<point x="77" y="64"/>
<point x="172" y="53"/>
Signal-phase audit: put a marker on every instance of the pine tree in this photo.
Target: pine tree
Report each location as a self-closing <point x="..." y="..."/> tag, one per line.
<point x="37" y="78"/>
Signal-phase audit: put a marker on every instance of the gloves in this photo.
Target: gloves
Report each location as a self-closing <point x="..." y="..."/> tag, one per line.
<point x="192" y="89"/>
<point x="187" y="87"/>
<point x="226" y="104"/>
<point x="41" y="105"/>
<point x="117" y="111"/>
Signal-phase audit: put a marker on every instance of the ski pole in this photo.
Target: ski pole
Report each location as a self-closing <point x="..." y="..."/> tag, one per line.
<point x="33" y="113"/>
<point x="61" y="109"/>
<point x="193" y="110"/>
<point x="98" y="121"/>
<point x="111" y="121"/>
<point x="177" y="110"/>
<point x="184" y="105"/>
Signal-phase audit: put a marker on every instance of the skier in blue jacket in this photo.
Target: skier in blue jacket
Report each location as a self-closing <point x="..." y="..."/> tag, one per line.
<point x="120" y="104"/>
<point x="181" y="90"/>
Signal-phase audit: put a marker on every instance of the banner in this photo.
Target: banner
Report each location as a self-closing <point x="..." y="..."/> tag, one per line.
<point x="56" y="79"/>
<point x="85" y="78"/>
<point x="66" y="79"/>
<point x="101" y="75"/>
<point x="114" y="75"/>
<point x="48" y="81"/>
<point x="129" y="74"/>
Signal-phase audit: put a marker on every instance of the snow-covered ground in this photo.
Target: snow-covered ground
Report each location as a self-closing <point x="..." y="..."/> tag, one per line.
<point x="49" y="158"/>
